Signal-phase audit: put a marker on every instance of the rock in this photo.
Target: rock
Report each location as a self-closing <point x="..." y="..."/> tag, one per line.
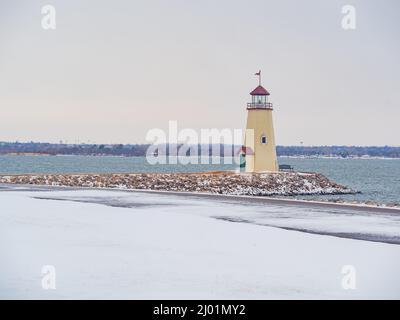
<point x="264" y="184"/>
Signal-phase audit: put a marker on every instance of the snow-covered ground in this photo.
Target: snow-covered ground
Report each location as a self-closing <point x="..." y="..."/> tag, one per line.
<point x="137" y="245"/>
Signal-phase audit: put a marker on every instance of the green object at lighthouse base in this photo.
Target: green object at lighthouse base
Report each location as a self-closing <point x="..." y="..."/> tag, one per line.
<point x="242" y="160"/>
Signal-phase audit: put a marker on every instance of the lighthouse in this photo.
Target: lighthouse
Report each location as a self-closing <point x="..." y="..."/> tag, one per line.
<point x="259" y="149"/>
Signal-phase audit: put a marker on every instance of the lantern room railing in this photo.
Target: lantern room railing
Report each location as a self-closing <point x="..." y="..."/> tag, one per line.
<point x="262" y="105"/>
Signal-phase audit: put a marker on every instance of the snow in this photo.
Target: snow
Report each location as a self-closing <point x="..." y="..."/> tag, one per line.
<point x="138" y="245"/>
<point x="261" y="184"/>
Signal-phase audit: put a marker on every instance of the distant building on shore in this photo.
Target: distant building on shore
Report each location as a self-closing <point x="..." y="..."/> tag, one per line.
<point x="259" y="151"/>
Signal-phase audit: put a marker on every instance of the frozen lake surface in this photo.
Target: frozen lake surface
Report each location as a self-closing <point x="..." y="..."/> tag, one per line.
<point x="144" y="245"/>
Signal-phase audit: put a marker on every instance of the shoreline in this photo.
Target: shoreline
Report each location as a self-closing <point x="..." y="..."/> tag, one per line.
<point x="239" y="198"/>
<point x="219" y="182"/>
<point x="364" y="157"/>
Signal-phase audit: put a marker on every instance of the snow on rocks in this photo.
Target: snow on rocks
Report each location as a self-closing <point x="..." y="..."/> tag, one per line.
<point x="221" y="182"/>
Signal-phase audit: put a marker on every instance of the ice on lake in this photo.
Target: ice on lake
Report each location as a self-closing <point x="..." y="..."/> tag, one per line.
<point x="138" y="245"/>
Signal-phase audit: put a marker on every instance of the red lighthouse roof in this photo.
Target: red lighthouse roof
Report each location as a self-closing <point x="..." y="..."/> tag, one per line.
<point x="259" y="91"/>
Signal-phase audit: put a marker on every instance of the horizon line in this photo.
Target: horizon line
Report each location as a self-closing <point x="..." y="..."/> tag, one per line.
<point x="143" y="144"/>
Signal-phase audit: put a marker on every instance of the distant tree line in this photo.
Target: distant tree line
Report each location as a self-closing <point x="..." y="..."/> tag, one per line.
<point x="132" y="150"/>
<point x="339" y="151"/>
<point x="73" y="149"/>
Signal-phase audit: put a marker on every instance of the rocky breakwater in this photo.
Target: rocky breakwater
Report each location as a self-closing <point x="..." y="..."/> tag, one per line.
<point x="256" y="184"/>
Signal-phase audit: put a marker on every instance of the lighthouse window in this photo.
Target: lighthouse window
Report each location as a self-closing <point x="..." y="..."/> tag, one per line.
<point x="258" y="99"/>
<point x="264" y="140"/>
<point x="261" y="99"/>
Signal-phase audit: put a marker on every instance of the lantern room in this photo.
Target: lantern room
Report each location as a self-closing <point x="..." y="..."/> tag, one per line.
<point x="259" y="99"/>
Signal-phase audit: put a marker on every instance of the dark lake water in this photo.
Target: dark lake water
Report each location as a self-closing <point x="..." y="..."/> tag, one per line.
<point x="376" y="179"/>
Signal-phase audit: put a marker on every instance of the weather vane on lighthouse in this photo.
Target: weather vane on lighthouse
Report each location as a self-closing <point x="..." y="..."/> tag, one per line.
<point x="259" y="77"/>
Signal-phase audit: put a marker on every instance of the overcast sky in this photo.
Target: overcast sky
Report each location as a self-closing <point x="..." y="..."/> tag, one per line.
<point x="112" y="70"/>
